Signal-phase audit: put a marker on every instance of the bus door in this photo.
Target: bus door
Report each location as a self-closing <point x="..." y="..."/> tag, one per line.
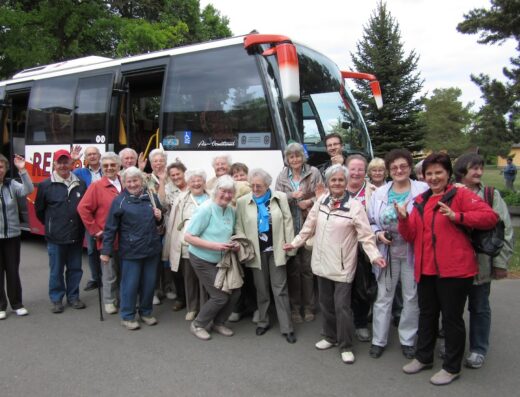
<point x="14" y="120"/>
<point x="140" y="107"/>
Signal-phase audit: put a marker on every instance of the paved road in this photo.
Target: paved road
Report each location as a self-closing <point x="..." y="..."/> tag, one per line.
<point x="74" y="354"/>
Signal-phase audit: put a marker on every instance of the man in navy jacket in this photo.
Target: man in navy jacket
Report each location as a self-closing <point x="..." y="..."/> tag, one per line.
<point x="56" y="207"/>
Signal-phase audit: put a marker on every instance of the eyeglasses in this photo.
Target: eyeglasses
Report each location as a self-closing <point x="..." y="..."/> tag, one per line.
<point x="111" y="165"/>
<point x="402" y="167"/>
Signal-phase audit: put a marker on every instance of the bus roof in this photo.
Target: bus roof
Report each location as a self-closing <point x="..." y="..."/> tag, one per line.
<point x="94" y="62"/>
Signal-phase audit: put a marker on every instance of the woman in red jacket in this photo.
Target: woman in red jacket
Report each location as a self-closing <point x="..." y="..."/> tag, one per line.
<point x="445" y="262"/>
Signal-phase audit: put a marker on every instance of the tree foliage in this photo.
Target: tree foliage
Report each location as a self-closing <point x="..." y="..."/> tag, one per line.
<point x="381" y="52"/>
<point x="46" y="31"/>
<point x="498" y="120"/>
<point x="447" y="122"/>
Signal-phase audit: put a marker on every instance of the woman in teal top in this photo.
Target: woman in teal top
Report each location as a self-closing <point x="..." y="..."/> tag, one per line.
<point x="208" y="235"/>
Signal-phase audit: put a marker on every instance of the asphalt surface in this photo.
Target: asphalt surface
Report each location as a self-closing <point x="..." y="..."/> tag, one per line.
<point x="75" y="354"/>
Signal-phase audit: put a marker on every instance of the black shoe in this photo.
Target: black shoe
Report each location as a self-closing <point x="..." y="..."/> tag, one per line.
<point x="376" y="351"/>
<point x="261" y="330"/>
<point x="178" y="305"/>
<point x="57" y="307"/>
<point x="408" y="351"/>
<point x="77" y="304"/>
<point x="290" y="337"/>
<point x="91" y="285"/>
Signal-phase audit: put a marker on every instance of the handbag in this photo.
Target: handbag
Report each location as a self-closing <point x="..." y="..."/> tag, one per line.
<point x="364" y="285"/>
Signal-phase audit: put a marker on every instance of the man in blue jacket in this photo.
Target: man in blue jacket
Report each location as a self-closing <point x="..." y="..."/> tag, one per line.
<point x="56" y="207"/>
<point x="89" y="174"/>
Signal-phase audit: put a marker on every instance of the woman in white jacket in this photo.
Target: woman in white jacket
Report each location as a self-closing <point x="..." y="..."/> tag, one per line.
<point x="337" y="223"/>
<point x="398" y="253"/>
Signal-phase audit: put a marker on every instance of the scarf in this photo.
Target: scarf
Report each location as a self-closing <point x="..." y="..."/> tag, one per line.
<point x="263" y="211"/>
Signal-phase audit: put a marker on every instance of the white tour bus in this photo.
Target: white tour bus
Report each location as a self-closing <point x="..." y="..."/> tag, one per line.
<point x="245" y="96"/>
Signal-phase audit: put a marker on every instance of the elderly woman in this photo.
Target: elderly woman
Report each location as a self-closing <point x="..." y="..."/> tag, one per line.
<point x="156" y="183"/>
<point x="299" y="182"/>
<point x="376" y="171"/>
<point x="338" y="223"/>
<point x="175" y="185"/>
<point x="93" y="210"/>
<point x="209" y="235"/>
<point x="469" y="169"/>
<point x="222" y="165"/>
<point x="10" y="191"/>
<point x="360" y="190"/>
<point x="176" y="249"/>
<point x="135" y="216"/>
<point x="264" y="217"/>
<point x="176" y="182"/>
<point x="445" y="262"/>
<point x="383" y="217"/>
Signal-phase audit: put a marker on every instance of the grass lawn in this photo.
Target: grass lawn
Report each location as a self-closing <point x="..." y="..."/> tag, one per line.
<point x="514" y="264"/>
<point x="492" y="177"/>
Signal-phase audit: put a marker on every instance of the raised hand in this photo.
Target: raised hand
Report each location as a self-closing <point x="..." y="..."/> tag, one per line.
<point x="446" y="211"/>
<point x="75" y="154"/>
<point x="400" y="210"/>
<point x="19" y="162"/>
<point x="142" y="161"/>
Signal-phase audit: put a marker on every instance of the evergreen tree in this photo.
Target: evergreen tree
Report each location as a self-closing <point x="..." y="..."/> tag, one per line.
<point x="380" y="52"/>
<point x="499" y="118"/>
<point x="447" y="122"/>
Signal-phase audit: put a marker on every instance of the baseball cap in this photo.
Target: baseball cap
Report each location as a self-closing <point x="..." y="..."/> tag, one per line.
<point x="61" y="153"/>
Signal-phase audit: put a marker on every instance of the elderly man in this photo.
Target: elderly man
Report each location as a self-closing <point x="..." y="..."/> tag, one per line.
<point x="56" y="207"/>
<point x="93" y="210"/>
<point x="91" y="173"/>
<point x="129" y="158"/>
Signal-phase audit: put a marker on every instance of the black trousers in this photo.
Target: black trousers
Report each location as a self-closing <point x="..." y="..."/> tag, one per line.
<point x="447" y="296"/>
<point x="9" y="265"/>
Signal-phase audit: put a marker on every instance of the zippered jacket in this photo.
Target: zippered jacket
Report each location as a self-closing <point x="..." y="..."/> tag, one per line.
<point x="452" y="250"/>
<point x="336" y="234"/>
<point x="132" y="217"/>
<point x="10" y="190"/>
<point x="56" y="207"/>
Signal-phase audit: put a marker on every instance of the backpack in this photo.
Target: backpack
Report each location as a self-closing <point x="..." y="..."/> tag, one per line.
<point x="489" y="242"/>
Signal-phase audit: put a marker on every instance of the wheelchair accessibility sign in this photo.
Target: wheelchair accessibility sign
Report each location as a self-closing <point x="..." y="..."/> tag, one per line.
<point x="187" y="137"/>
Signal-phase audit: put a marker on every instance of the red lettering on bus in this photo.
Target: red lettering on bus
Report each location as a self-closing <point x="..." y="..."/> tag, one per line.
<point x="46" y="164"/>
<point x="37" y="169"/>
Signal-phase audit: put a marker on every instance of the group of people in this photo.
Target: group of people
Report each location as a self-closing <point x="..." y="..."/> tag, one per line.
<point x="221" y="247"/>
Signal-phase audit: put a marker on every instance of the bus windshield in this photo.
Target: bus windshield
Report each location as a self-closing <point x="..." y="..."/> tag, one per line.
<point x="327" y="106"/>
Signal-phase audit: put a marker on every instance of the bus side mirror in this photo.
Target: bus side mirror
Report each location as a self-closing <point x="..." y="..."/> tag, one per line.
<point x="374" y="84"/>
<point x="287" y="58"/>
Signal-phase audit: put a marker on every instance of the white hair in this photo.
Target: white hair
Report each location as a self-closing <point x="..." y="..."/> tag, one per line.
<point x="227" y="157"/>
<point x="224" y="182"/>
<point x="128" y="149"/>
<point x="260" y="173"/>
<point x="111" y="156"/>
<point x="132" y="172"/>
<point x="334" y="170"/>
<point x="197" y="172"/>
<point x="294" y="148"/>
<point x="157" y="152"/>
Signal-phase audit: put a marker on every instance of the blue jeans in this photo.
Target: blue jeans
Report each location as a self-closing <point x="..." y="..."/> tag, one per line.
<point x="94" y="263"/>
<point x="479" y="318"/>
<point x="137" y="278"/>
<point x="63" y="256"/>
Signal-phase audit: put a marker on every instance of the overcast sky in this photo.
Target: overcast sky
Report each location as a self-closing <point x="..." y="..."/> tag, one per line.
<point x="333" y="27"/>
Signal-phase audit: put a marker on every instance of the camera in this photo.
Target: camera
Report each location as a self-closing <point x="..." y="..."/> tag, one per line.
<point x="388" y="235"/>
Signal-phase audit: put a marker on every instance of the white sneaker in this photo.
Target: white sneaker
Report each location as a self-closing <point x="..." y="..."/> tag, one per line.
<point x="443" y="377"/>
<point x="110" y="308"/>
<point x="256" y="316"/>
<point x="21" y="311"/>
<point x="131" y="325"/>
<point x="171" y="295"/>
<point x="475" y="360"/>
<point x="348" y="357"/>
<point x="149" y="320"/>
<point x="190" y="316"/>
<point x="199" y="332"/>
<point x="324" y="344"/>
<point x="156" y="300"/>
<point x="223" y="330"/>
<point x="363" y="334"/>
<point x="3" y="315"/>
<point x="234" y="317"/>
